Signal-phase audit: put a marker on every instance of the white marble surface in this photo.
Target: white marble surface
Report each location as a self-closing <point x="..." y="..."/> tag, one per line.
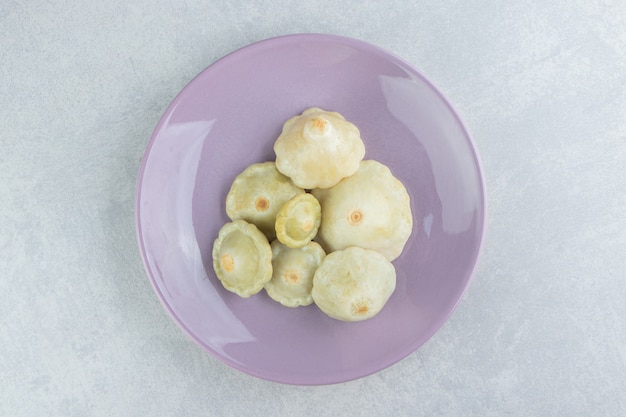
<point x="542" y="329"/>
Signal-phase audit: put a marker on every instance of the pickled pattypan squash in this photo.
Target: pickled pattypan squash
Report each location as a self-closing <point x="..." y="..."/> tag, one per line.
<point x="318" y="148"/>
<point x="257" y="194"/>
<point x="242" y="258"/>
<point x="293" y="270"/>
<point x="353" y="284"/>
<point x="370" y="209"/>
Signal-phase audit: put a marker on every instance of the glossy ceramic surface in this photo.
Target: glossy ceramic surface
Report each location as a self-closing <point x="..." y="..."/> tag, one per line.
<point x="228" y="118"/>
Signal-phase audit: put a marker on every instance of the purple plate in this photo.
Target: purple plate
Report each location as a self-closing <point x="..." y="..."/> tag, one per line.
<point x="228" y="118"/>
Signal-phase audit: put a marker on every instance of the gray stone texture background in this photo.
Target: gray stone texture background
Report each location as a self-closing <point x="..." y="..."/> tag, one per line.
<point x="542" y="88"/>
